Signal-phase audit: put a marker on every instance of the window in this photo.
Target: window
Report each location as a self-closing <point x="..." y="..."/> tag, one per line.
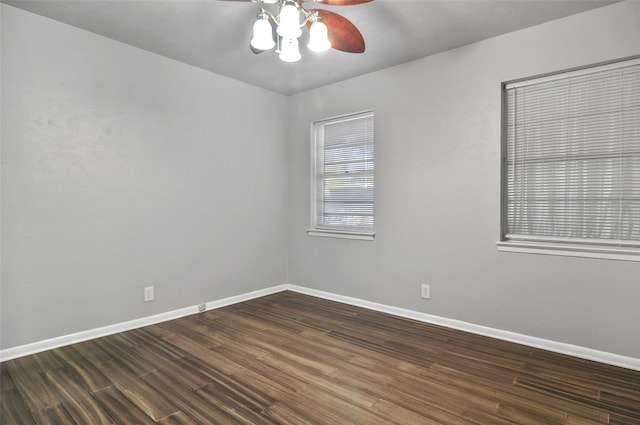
<point x="571" y="163"/>
<point x="342" y="177"/>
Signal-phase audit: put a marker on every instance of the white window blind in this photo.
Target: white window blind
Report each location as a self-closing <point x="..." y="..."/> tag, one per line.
<point x="572" y="164"/>
<point x="343" y="180"/>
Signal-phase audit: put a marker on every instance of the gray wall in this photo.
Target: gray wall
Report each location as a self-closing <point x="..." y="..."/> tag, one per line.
<point x="438" y="193"/>
<point x="123" y="169"/>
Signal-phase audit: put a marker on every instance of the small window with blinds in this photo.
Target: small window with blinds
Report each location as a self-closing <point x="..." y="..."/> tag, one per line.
<point x="342" y="184"/>
<point x="571" y="163"/>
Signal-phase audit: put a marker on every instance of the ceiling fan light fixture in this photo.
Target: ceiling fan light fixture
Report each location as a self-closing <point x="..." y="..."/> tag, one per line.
<point x="289" y="23"/>
<point x="318" y="37"/>
<point x="289" y="51"/>
<point x="262" y="33"/>
<point x="282" y="28"/>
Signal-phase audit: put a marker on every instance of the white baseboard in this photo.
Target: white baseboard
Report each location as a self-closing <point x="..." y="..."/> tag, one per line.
<point x="558" y="347"/>
<point x="545" y="344"/>
<point x="49" y="344"/>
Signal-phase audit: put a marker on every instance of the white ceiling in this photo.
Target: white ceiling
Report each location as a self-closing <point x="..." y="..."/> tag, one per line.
<point x="214" y="34"/>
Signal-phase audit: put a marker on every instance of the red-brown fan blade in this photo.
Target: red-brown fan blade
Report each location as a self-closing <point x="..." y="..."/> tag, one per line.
<point x="342" y="2"/>
<point x="343" y="35"/>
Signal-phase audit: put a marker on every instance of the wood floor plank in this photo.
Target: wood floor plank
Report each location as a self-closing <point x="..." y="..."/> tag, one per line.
<point x="577" y="420"/>
<point x="284" y="378"/>
<point x="393" y="413"/>
<point x="150" y="340"/>
<point x="177" y="374"/>
<point x="293" y="359"/>
<point x="264" y="384"/>
<point x="64" y="385"/>
<point x="182" y="328"/>
<point x="233" y="389"/>
<point x="13" y="410"/>
<point x="179" y="419"/>
<point x="242" y="408"/>
<point x="116" y="348"/>
<point x="120" y="408"/>
<point x="189" y="403"/>
<point x="6" y="383"/>
<point x="505" y="391"/>
<point x="149" y="400"/>
<point x="326" y="404"/>
<point x="85" y="371"/>
<point x="279" y="413"/>
<point x="86" y="410"/>
<point x="90" y="351"/>
<point x="487" y="418"/>
<point x="76" y="400"/>
<point x="248" y="326"/>
<point x="41" y="362"/>
<point x="537" y="415"/>
<point x="35" y="391"/>
<point x="56" y="415"/>
<point x="203" y="353"/>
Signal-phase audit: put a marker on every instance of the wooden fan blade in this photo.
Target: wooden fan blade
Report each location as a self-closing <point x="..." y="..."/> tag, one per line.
<point x="342" y="2"/>
<point x="343" y="35"/>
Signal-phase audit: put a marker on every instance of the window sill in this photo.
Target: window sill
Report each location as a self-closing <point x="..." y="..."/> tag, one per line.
<point x="569" y="250"/>
<point x="343" y="234"/>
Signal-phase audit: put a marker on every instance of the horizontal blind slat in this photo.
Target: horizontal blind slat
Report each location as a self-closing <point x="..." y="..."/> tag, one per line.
<point x="345" y="166"/>
<point x="572" y="166"/>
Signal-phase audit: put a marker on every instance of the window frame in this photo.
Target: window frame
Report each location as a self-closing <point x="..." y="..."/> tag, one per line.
<point x="563" y="246"/>
<point x="315" y="229"/>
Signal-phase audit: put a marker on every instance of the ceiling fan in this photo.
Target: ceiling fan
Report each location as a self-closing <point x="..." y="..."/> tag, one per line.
<point x="282" y="29"/>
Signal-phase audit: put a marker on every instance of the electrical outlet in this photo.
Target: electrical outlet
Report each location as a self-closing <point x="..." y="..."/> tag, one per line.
<point x="148" y="293"/>
<point x="202" y="307"/>
<point x="426" y="291"/>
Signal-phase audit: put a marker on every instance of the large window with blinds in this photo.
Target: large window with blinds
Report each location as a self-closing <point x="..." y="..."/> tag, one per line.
<point x="342" y="186"/>
<point x="571" y="163"/>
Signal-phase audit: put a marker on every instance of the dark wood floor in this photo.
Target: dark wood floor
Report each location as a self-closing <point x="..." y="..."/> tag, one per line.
<point x="294" y="359"/>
